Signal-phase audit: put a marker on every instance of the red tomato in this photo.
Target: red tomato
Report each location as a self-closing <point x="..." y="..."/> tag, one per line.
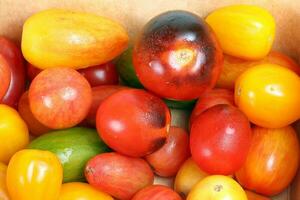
<point x="272" y="161"/>
<point x="133" y="122"/>
<point x="5" y="76"/>
<point x="14" y="57"/>
<point x="220" y="139"/>
<point x="167" y="160"/>
<point x="177" y="56"/>
<point x="156" y="192"/>
<point x="32" y="71"/>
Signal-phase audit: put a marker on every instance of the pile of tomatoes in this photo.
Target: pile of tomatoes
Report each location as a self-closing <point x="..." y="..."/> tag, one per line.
<point x="242" y="98"/>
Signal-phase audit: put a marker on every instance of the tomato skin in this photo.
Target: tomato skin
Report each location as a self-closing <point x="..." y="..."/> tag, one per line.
<point x="177" y="56"/>
<point x="3" y="187"/>
<point x="272" y="161"/>
<point x="138" y="130"/>
<point x="13" y="56"/>
<point x="220" y="139"/>
<point x="118" y="175"/>
<point x="156" y="192"/>
<point x="81" y="191"/>
<point x="5" y="76"/>
<point x="253" y="196"/>
<point x="265" y="92"/>
<point x="167" y="160"/>
<point x="34" y="175"/>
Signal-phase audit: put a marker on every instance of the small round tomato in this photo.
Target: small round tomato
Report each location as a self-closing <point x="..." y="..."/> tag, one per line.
<point x="13" y="131"/>
<point x="177" y="56"/>
<point x="81" y="191"/>
<point x="269" y="95"/>
<point x="5" y="76"/>
<point x="133" y="122"/>
<point x="220" y="140"/>
<point x="156" y="192"/>
<point x="3" y="187"/>
<point x="272" y="161"/>
<point x="217" y="187"/>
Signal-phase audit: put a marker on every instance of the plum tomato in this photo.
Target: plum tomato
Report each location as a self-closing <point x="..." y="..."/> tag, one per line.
<point x="167" y="160"/>
<point x="210" y="99"/>
<point x="118" y="175"/>
<point x="269" y="95"/>
<point x="272" y="161"/>
<point x="156" y="192"/>
<point x="133" y="122"/>
<point x="14" y="58"/>
<point x="177" y="56"/>
<point x="220" y="139"/>
<point x="60" y="97"/>
<point x="5" y="76"/>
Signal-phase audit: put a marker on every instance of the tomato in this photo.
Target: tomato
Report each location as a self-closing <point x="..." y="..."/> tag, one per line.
<point x="14" y="57"/>
<point x="272" y="161"/>
<point x="156" y="192"/>
<point x="220" y="139"/>
<point x="81" y="191"/>
<point x="217" y="187"/>
<point x="244" y="31"/>
<point x="3" y="188"/>
<point x="265" y="92"/>
<point x="253" y="196"/>
<point x="5" y="76"/>
<point x="13" y="130"/>
<point x="32" y="71"/>
<point x="233" y="67"/>
<point x="133" y="122"/>
<point x="34" y="175"/>
<point x="167" y="160"/>
<point x="177" y="56"/>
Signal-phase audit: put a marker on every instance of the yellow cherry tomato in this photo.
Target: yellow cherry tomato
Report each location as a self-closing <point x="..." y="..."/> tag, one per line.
<point x="34" y="175"/>
<point x="244" y="31"/>
<point x="81" y="191"/>
<point x="217" y="187"/>
<point x="269" y="95"/>
<point x="3" y="188"/>
<point x="13" y="133"/>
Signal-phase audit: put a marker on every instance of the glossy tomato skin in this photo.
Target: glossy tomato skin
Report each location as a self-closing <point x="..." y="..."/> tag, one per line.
<point x="118" y="175"/>
<point x="254" y="196"/>
<point x="3" y="188"/>
<point x="133" y="122"/>
<point x="156" y="192"/>
<point x="5" y="76"/>
<point x="220" y="139"/>
<point x="13" y="56"/>
<point x="167" y="160"/>
<point x="177" y="56"/>
<point x="272" y="161"/>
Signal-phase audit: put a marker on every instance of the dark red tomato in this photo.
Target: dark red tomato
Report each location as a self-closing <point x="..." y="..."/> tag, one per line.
<point x="14" y="57"/>
<point x="32" y="71"/>
<point x="133" y="122"/>
<point x="210" y="99"/>
<point x="177" y="56"/>
<point x="5" y="76"/>
<point x="220" y="139"/>
<point x="100" y="93"/>
<point x="156" y="192"/>
<point x="167" y="160"/>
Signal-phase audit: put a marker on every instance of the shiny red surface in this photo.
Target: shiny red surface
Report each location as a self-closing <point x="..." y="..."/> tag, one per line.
<point x="156" y="192"/>
<point x="5" y="76"/>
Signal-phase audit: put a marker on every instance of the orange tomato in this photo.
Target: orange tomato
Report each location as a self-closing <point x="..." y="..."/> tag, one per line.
<point x="3" y="188"/>
<point x="13" y="130"/>
<point x="34" y="175"/>
<point x="81" y="191"/>
<point x="269" y="95"/>
<point x="272" y="161"/>
<point x="233" y="67"/>
<point x="217" y="187"/>
<point x="253" y="196"/>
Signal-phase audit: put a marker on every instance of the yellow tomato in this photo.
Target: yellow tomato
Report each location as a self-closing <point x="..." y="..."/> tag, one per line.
<point x="243" y="31"/>
<point x="34" y="175"/>
<point x="269" y="95"/>
<point x="13" y="133"/>
<point x="217" y="187"/>
<point x="3" y="188"/>
<point x="81" y="191"/>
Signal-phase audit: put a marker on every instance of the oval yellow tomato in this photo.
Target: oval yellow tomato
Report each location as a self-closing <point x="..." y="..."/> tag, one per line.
<point x="81" y="191"/>
<point x="13" y="130"/>
<point x="3" y="188"/>
<point x="34" y="175"/>
<point x="217" y="187"/>
<point x="269" y="95"/>
<point x="244" y="31"/>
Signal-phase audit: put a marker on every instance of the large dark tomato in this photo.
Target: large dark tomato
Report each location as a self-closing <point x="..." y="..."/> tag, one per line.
<point x="133" y="122"/>
<point x="220" y="139"/>
<point x="177" y="56"/>
<point x="14" y="57"/>
<point x="5" y="76"/>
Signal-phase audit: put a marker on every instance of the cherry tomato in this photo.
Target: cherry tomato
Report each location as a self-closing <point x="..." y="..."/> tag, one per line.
<point x="220" y="139"/>
<point x="5" y="76"/>
<point x="3" y="187"/>
<point x="272" y="161"/>
<point x="156" y="192"/>
<point x="269" y="95"/>
<point x="177" y="56"/>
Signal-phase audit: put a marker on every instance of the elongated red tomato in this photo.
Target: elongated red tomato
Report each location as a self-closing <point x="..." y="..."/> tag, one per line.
<point x="5" y="76"/>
